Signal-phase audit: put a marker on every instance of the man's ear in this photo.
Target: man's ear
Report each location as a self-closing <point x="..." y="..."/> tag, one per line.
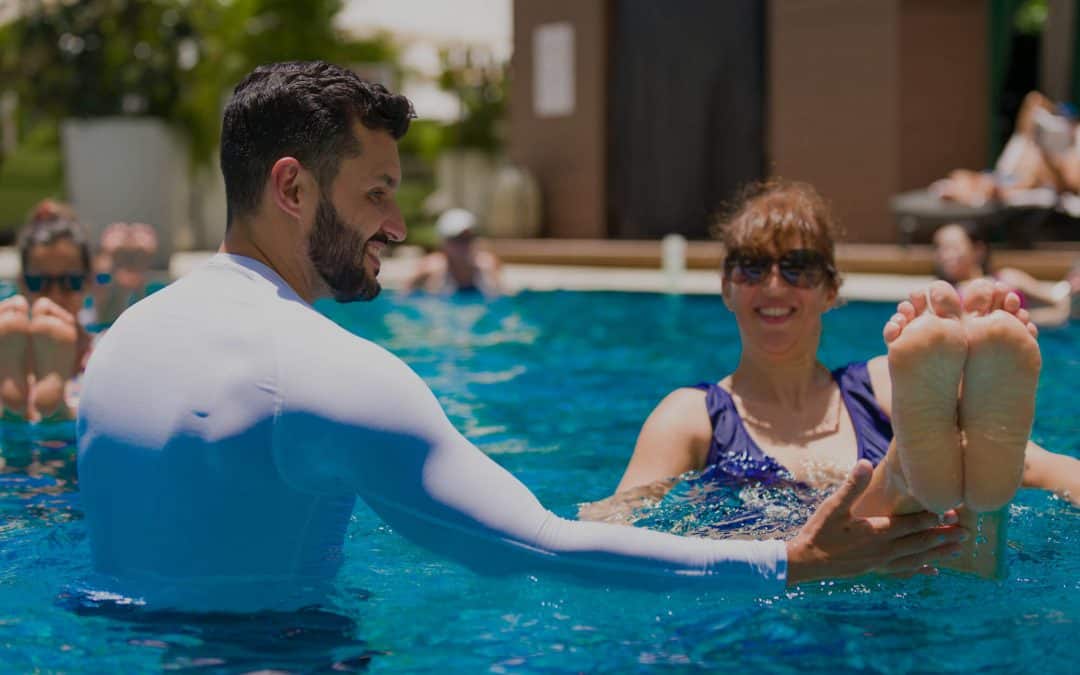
<point x="287" y="186"/>
<point x="725" y="291"/>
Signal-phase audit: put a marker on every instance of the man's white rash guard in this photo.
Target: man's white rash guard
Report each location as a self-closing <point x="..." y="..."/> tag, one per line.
<point x="226" y="429"/>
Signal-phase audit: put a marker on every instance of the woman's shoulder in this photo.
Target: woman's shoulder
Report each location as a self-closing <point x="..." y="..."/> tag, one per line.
<point x="683" y="411"/>
<point x="870" y="376"/>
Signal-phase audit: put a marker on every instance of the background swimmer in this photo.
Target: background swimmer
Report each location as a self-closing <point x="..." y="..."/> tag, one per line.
<point x="43" y="347"/>
<point x="460" y="264"/>
<point x="960" y="258"/>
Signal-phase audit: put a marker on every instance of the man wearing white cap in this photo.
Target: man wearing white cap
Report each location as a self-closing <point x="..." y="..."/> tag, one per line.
<point x="459" y="265"/>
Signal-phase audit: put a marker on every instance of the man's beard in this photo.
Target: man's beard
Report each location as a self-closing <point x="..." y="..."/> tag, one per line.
<point x="339" y="253"/>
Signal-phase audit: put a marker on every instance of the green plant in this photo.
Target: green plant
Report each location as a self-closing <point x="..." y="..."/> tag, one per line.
<point x="479" y="83"/>
<point x="32" y="172"/>
<point x="173" y="59"/>
<point x="1030" y="17"/>
<point x="99" y="57"/>
<point x="237" y="36"/>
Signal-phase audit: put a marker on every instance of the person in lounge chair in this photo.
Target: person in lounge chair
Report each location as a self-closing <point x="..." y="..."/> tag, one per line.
<point x="1042" y="154"/>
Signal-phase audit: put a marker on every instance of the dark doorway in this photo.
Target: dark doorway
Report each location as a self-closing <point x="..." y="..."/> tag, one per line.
<point x="686" y="112"/>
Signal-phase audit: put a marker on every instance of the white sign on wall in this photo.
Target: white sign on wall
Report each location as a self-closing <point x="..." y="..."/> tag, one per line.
<point x="553" y="70"/>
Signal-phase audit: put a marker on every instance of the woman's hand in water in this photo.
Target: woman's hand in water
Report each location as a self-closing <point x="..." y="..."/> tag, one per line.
<point x="834" y="543"/>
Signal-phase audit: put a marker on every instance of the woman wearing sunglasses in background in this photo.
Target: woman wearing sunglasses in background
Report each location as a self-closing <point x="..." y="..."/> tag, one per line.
<point x="43" y="347"/>
<point x="783" y="416"/>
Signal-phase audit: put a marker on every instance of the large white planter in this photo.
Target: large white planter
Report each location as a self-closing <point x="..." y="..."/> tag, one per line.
<point x="463" y="179"/>
<point x="514" y="206"/>
<point x="130" y="169"/>
<point x="208" y="208"/>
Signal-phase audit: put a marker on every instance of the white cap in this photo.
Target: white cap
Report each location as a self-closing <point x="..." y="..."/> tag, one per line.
<point x="453" y="222"/>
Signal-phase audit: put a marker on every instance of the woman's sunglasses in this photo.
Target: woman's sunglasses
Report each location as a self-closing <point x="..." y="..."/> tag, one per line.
<point x="801" y="267"/>
<point x="40" y="283"/>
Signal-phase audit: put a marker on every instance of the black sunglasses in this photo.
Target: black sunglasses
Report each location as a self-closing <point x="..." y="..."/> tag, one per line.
<point x="38" y="283"/>
<point x="801" y="267"/>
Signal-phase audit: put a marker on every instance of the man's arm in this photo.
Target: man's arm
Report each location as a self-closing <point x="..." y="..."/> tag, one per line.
<point x="385" y="437"/>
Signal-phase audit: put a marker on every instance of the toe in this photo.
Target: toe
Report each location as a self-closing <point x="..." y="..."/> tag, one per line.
<point x="945" y="300"/>
<point x="979" y="297"/>
<point x="1011" y="302"/>
<point x="906" y="310"/>
<point x="917" y="301"/>
<point x="891" y="331"/>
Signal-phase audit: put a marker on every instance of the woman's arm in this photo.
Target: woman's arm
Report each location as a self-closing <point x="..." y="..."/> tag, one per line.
<point x="674" y="439"/>
<point x="1050" y="471"/>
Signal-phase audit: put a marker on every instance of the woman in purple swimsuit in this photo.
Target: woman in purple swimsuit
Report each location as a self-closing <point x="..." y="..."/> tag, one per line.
<point x="782" y="415"/>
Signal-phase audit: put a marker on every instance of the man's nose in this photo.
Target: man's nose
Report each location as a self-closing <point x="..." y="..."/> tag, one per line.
<point x="394" y="226"/>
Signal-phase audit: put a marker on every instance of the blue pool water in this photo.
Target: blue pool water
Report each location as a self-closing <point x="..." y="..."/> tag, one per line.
<point x="555" y="386"/>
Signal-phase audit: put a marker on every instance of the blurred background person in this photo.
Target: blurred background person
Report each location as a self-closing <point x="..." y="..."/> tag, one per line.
<point x="43" y="346"/>
<point x="1042" y="153"/>
<point x="961" y="256"/>
<point x="461" y="264"/>
<point x="122" y="266"/>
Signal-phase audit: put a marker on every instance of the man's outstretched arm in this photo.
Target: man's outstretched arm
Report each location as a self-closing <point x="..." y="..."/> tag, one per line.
<point x="390" y="442"/>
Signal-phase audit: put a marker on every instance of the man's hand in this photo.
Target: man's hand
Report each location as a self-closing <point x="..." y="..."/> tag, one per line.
<point x="834" y="543"/>
<point x="14" y="348"/>
<point x="54" y="335"/>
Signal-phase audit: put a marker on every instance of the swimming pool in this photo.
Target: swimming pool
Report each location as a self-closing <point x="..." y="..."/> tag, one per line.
<point x="555" y="386"/>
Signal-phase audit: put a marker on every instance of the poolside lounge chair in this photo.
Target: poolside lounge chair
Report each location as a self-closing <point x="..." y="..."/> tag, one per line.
<point x="1026" y="217"/>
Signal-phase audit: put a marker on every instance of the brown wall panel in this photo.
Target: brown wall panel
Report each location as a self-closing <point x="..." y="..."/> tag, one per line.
<point x="833" y="108"/>
<point x="871" y="98"/>
<point x="944" y="89"/>
<point x="567" y="154"/>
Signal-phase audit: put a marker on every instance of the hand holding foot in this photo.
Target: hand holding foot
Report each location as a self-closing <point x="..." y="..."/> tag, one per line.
<point x="14" y="346"/>
<point x="54" y="335"/>
<point x="835" y="543"/>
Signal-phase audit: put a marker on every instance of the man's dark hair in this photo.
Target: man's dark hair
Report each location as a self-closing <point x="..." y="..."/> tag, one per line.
<point x="301" y="109"/>
<point x="46" y="231"/>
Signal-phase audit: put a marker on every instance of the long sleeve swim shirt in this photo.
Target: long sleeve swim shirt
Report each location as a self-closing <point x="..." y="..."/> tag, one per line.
<point x="227" y="428"/>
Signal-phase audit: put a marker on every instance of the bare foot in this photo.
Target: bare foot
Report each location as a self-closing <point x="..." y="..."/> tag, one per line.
<point x="927" y="351"/>
<point x="54" y="337"/>
<point x="14" y="345"/>
<point x="997" y="404"/>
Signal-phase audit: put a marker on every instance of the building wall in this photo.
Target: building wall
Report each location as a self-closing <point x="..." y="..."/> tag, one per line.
<point x="566" y="153"/>
<point x="865" y="99"/>
<point x="868" y="99"/>
<point x="943" y="89"/>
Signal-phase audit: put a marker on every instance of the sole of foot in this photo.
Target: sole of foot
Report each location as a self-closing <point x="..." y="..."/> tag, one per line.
<point x="997" y="403"/>
<point x="926" y="364"/>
